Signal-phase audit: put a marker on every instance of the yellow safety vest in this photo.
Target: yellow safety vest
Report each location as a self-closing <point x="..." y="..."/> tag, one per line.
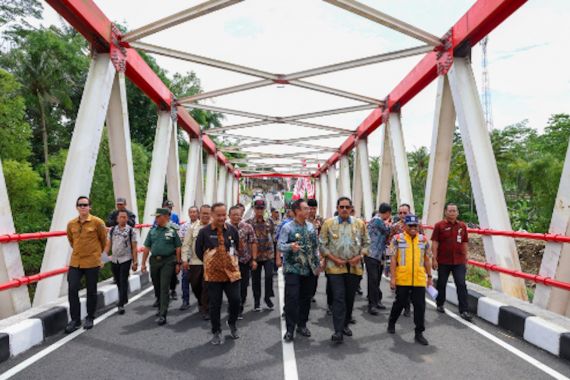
<point x="410" y="270"/>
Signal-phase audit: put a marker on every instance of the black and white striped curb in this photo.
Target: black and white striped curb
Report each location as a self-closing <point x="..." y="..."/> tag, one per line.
<point x="542" y="328"/>
<point x="26" y="330"/>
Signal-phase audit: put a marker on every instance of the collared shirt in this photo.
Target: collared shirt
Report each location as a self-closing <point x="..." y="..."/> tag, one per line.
<point x="306" y="260"/>
<point x="162" y="241"/>
<point x="264" y="230"/>
<point x="280" y="226"/>
<point x="189" y="245"/>
<point x="184" y="229"/>
<point x="246" y="239"/>
<point x="112" y="219"/>
<point x="87" y="240"/>
<point x="122" y="240"/>
<point x="379" y="233"/>
<point x="450" y="237"/>
<point x="220" y="260"/>
<point x="344" y="239"/>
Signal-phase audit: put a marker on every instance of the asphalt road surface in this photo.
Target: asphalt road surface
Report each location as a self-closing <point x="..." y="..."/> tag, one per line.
<point x="132" y="346"/>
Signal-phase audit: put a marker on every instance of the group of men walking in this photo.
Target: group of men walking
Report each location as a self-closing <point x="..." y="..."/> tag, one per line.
<point x="216" y="252"/>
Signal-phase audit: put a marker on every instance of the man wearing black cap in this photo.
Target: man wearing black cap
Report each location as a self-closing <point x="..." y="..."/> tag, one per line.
<point x="121" y="204"/>
<point x="264" y="231"/>
<point x="410" y="270"/>
<point x="164" y="243"/>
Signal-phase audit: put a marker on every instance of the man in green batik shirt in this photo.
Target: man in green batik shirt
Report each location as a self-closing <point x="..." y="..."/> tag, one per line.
<point x="301" y="263"/>
<point x="343" y="242"/>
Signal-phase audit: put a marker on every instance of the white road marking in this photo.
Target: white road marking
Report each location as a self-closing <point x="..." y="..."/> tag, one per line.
<point x="289" y="361"/>
<point x="51" y="348"/>
<point x="527" y="358"/>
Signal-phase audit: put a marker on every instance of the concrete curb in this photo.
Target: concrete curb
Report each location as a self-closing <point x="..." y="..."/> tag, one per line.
<point x="538" y="327"/>
<point x="43" y="322"/>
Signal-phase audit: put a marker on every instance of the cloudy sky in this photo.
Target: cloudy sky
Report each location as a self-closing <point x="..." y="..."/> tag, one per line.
<point x="528" y="59"/>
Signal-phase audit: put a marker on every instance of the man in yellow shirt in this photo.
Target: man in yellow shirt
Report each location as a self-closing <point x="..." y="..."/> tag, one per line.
<point x="410" y="273"/>
<point x="87" y="236"/>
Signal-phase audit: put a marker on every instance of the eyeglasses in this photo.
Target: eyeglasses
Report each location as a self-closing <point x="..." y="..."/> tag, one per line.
<point x="402" y="213"/>
<point x="345" y="207"/>
<point x="413" y="225"/>
<point x="83" y="205"/>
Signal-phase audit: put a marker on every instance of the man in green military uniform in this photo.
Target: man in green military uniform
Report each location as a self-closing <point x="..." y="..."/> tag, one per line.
<point x="164" y="243"/>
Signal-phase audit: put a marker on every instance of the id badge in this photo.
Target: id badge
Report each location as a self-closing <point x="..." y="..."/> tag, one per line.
<point x="232" y="251"/>
<point x="459" y="235"/>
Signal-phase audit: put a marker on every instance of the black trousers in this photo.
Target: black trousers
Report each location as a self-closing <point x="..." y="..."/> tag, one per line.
<point x="343" y="289"/>
<point x="298" y="293"/>
<point x="74" y="276"/>
<point x="245" y="271"/>
<point x="173" y="280"/>
<point x="374" y="270"/>
<point x="329" y="292"/>
<point x="459" y="272"/>
<point x="199" y="286"/>
<point x="121" y="274"/>
<point x="267" y="267"/>
<point x="215" y="294"/>
<point x="403" y="294"/>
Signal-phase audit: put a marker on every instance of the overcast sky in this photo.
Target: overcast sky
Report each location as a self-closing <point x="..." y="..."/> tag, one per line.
<point x="528" y="59"/>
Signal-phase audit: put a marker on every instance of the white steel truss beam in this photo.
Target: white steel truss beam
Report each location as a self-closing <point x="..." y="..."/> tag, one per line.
<point x="386" y="20"/>
<point x="173" y="187"/>
<point x="226" y="91"/>
<point x="340" y="131"/>
<point x="399" y="160"/>
<point x="178" y="18"/>
<point x="298" y="139"/>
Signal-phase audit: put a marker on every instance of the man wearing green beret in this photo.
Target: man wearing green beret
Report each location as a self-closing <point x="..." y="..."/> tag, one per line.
<point x="164" y="244"/>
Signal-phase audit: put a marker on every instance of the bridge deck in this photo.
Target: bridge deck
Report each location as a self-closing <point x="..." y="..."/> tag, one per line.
<point x="133" y="347"/>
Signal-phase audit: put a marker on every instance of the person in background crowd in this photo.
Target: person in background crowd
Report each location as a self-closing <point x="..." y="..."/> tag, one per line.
<point x="193" y="268"/>
<point x="216" y="246"/>
<point x="87" y="236"/>
<point x="164" y="243"/>
<point x="343" y="242"/>
<point x="410" y="275"/>
<point x="298" y="242"/>
<point x="193" y="215"/>
<point x="246" y="252"/>
<point x="275" y="216"/>
<point x="173" y="216"/>
<point x="264" y="231"/>
<point x="379" y="231"/>
<point x="121" y="204"/>
<point x="122" y="243"/>
<point x="450" y="245"/>
<point x="317" y="221"/>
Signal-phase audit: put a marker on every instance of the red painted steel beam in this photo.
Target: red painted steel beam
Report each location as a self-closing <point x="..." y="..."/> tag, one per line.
<point x="477" y="22"/>
<point x="274" y="175"/>
<point x="86" y="17"/>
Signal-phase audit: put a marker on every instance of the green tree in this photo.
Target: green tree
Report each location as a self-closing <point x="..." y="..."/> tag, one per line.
<point x="15" y="12"/>
<point x="15" y="132"/>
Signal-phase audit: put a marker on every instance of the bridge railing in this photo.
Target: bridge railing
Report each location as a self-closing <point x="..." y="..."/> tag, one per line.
<point x="26" y="280"/>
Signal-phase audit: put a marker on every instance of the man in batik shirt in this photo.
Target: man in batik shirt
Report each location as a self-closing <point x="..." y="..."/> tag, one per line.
<point x="301" y="263"/>
<point x="246" y="252"/>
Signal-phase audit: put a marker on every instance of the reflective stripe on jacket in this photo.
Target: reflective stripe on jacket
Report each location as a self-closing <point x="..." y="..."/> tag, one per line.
<point x="410" y="254"/>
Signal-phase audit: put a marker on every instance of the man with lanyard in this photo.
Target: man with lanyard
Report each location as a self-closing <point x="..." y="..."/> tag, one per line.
<point x="122" y="243"/>
<point x="264" y="231"/>
<point x="343" y="242"/>
<point x="246" y="252"/>
<point x="87" y="236"/>
<point x="379" y="231"/>
<point x="193" y="268"/>
<point x="164" y="243"/>
<point x="410" y="270"/>
<point x="216" y="246"/>
<point x="398" y="228"/>
<point x="450" y="245"/>
<point x="298" y="242"/>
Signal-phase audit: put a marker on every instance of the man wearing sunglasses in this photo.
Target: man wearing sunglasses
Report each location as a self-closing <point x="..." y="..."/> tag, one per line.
<point x="87" y="236"/>
<point x="410" y="275"/>
<point x="343" y="242"/>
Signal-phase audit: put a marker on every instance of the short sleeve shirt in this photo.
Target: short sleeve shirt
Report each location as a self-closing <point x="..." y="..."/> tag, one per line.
<point x="162" y="241"/>
<point x="122" y="240"/>
<point x="450" y="237"/>
<point x="246" y="239"/>
<point x="264" y="230"/>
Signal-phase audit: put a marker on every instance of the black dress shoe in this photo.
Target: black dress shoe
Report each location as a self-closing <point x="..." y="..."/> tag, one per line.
<point x="88" y="323"/>
<point x="206" y="316"/>
<point x="420" y="339"/>
<point x="440" y="309"/>
<point x="156" y="303"/>
<point x="121" y="310"/>
<point x="161" y="321"/>
<point x="337" y="338"/>
<point x="304" y="331"/>
<point x="352" y="321"/>
<point x="465" y="315"/>
<point x="184" y="306"/>
<point x="72" y="326"/>
<point x="372" y="310"/>
<point x="391" y="328"/>
<point x="380" y="306"/>
<point x="347" y="331"/>
<point x="407" y="312"/>
<point x="173" y="295"/>
<point x="288" y="337"/>
<point x="233" y="331"/>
